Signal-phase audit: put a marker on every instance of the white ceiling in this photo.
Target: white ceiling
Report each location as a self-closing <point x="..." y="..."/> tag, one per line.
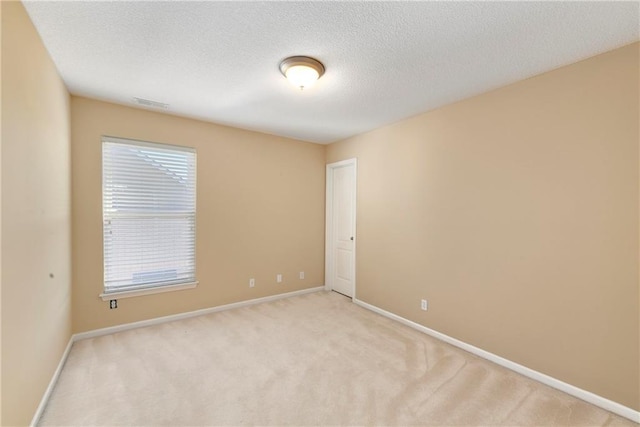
<point x="385" y="61"/>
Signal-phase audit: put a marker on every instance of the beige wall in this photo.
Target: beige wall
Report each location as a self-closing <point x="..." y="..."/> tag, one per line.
<point x="36" y="223"/>
<point x="515" y="213"/>
<point x="260" y="212"/>
<point x="0" y="217"/>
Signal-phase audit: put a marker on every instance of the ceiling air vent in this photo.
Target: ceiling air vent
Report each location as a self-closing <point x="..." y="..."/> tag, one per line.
<point x="149" y="103"/>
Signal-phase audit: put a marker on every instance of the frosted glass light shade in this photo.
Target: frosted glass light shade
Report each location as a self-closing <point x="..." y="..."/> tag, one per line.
<point x="302" y="76"/>
<point x="301" y="71"/>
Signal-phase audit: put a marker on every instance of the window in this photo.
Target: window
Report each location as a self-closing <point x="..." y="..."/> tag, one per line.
<point x="149" y="216"/>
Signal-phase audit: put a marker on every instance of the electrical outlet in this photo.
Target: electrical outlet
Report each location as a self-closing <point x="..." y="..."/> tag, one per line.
<point x="279" y="278"/>
<point x="113" y="303"/>
<point x="302" y="275"/>
<point x="252" y="283"/>
<point x="423" y="305"/>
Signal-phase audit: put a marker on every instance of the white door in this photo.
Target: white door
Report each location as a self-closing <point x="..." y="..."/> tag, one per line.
<point x="341" y="227"/>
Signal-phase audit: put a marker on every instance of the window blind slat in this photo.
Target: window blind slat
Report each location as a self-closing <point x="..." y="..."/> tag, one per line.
<point x="149" y="208"/>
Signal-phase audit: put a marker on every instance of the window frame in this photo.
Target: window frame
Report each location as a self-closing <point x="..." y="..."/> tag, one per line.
<point x="148" y="288"/>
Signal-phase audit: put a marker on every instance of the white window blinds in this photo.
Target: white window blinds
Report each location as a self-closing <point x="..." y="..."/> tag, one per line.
<point x="149" y="214"/>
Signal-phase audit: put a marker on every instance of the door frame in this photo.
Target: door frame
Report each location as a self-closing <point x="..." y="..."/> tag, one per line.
<point x="329" y="267"/>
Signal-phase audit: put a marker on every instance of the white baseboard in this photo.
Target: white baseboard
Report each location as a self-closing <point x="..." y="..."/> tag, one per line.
<point x="52" y="384"/>
<point x="587" y="396"/>
<point x="149" y="322"/>
<point x="171" y="318"/>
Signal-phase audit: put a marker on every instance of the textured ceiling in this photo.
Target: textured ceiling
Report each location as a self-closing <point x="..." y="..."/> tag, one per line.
<point x="218" y="61"/>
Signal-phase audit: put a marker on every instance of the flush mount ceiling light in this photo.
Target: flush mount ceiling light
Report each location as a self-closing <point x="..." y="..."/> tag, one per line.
<point x="301" y="71"/>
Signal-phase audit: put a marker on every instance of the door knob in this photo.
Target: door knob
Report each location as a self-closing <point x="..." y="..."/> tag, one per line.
<point x="351" y="237"/>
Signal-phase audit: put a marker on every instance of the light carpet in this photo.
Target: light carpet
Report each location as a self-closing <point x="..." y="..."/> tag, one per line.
<point x="315" y="359"/>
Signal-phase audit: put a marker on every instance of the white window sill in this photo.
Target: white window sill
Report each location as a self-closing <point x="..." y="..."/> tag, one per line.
<point x="149" y="291"/>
